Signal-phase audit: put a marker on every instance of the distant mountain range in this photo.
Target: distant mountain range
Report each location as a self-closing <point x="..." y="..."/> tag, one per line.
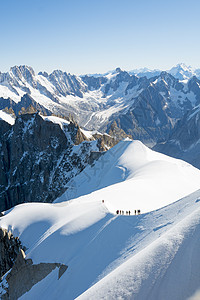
<point x="180" y="71"/>
<point x="61" y="138"/>
<point x="142" y="104"/>
<point x="145" y="108"/>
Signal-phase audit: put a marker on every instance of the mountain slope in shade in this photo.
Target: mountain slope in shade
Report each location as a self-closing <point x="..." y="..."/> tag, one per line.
<point x="109" y="255"/>
<point x="184" y="141"/>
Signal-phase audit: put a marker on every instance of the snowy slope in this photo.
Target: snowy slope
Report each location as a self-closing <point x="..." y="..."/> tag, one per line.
<point x="112" y="256"/>
<point x="124" y="255"/>
<point x="167" y="268"/>
<point x="130" y="175"/>
<point x="183" y="72"/>
<point x="6" y="117"/>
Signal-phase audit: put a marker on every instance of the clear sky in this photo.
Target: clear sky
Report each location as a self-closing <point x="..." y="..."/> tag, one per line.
<point x="94" y="36"/>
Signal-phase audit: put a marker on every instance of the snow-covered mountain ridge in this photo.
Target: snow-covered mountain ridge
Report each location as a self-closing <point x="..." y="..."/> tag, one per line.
<point x="151" y="256"/>
<point x="145" y="108"/>
<point x="180" y="71"/>
<point x="123" y="171"/>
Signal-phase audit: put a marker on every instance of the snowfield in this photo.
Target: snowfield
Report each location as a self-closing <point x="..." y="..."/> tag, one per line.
<point x="131" y="176"/>
<point x="151" y="256"/>
<point x="7" y="117"/>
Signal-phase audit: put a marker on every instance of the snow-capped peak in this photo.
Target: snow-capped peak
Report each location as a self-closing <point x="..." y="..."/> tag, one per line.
<point x="182" y="71"/>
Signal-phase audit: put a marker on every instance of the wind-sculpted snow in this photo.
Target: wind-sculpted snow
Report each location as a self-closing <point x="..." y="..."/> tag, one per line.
<point x="126" y="256"/>
<point x="151" y="256"/>
<point x="167" y="268"/>
<point x="129" y="175"/>
<point x="6" y="117"/>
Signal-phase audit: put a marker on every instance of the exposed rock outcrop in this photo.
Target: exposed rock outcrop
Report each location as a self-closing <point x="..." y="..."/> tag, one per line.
<point x="9" y="248"/>
<point x="24" y="275"/>
<point x="184" y="141"/>
<point x="38" y="159"/>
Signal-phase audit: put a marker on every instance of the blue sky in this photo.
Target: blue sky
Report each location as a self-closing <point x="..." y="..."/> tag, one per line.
<point x="94" y="36"/>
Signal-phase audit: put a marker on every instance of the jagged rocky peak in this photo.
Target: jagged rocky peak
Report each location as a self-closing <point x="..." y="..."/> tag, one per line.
<point x="94" y="83"/>
<point x="77" y="135"/>
<point x="39" y="157"/>
<point x="24" y="274"/>
<point x="96" y="101"/>
<point x="182" y="71"/>
<point x="169" y="79"/>
<point x="23" y="74"/>
<point x="67" y="84"/>
<point x="118" y="77"/>
<point x="165" y="81"/>
<point x="118" y="70"/>
<point x="194" y="84"/>
<point x="44" y="74"/>
<point x="42" y="134"/>
<point x="22" y="71"/>
<point x="9" y="248"/>
<point x="4" y="127"/>
<point x="184" y="140"/>
<point x="187" y="131"/>
<point x="122" y="75"/>
<point x="118" y="132"/>
<point x="18" y="73"/>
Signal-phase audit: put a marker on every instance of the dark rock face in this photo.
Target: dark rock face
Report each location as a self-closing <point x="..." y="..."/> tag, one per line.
<point x="37" y="159"/>
<point x="9" y="248"/>
<point x="161" y="102"/>
<point x="93" y="83"/>
<point x="184" y="141"/>
<point x="122" y="76"/>
<point x="26" y="105"/>
<point x="193" y="86"/>
<point x="147" y="119"/>
<point x="24" y="275"/>
<point x="67" y="84"/>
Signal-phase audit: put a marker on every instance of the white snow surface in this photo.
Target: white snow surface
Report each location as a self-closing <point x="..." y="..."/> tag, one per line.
<point x="151" y="256"/>
<point x="129" y="175"/>
<point x="6" y="117"/>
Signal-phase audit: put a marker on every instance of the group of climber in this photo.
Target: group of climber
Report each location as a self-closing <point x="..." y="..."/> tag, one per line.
<point x="121" y="212"/>
<point x="128" y="212"/>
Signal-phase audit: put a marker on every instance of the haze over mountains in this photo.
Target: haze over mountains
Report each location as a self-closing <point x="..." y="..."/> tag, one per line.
<point x="180" y="71"/>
